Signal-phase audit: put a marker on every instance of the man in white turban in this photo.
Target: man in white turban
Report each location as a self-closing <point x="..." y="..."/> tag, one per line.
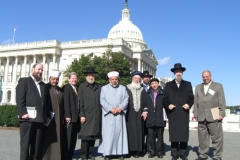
<point x="53" y="132"/>
<point x="114" y="100"/>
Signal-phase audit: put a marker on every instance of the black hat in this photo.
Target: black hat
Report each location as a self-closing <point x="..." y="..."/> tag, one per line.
<point x="146" y="74"/>
<point x="178" y="66"/>
<point x="134" y="73"/>
<point x="154" y="80"/>
<point x="90" y="70"/>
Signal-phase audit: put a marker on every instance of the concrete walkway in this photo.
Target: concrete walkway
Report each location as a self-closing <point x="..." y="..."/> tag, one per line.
<point x="10" y="149"/>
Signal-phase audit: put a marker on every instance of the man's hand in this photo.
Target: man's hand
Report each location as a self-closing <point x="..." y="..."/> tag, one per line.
<point x="113" y="110"/>
<point x="25" y="116"/>
<point x="144" y="115"/>
<point x="171" y="106"/>
<point x="195" y="118"/>
<point x="220" y="118"/>
<point x="118" y="110"/>
<point x="82" y="120"/>
<point x="186" y="106"/>
<point x="68" y="120"/>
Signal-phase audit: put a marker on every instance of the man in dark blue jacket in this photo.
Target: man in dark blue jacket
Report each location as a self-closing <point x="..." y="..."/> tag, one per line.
<point x="156" y="119"/>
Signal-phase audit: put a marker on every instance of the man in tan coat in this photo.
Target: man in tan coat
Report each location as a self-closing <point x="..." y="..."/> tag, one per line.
<point x="209" y="95"/>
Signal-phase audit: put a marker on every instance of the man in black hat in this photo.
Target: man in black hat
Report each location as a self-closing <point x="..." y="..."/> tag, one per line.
<point x="90" y="115"/>
<point x="146" y="80"/>
<point x="178" y="99"/>
<point x="146" y="85"/>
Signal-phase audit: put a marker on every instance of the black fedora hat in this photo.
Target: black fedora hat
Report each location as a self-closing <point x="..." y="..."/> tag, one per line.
<point x="178" y="66"/>
<point x="154" y="80"/>
<point x="90" y="70"/>
<point x="146" y="74"/>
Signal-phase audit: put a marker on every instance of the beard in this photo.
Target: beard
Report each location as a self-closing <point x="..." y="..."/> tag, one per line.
<point x="114" y="85"/>
<point x="91" y="81"/>
<point x="135" y="85"/>
<point x="37" y="76"/>
<point x="178" y="78"/>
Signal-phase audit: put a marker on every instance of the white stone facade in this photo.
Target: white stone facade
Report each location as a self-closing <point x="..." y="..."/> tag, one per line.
<point x="16" y="60"/>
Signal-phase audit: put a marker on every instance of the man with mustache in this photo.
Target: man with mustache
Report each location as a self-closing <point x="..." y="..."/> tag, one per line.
<point x="114" y="100"/>
<point x="178" y="99"/>
<point x="136" y="114"/>
<point x="90" y="115"/>
<point x="31" y="96"/>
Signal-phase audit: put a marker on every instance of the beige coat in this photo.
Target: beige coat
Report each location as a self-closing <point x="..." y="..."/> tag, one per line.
<point x="203" y="103"/>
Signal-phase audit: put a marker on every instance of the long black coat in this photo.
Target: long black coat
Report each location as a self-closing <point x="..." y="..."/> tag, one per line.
<point x="155" y="115"/>
<point x="178" y="117"/>
<point x="90" y="109"/>
<point x="135" y="123"/>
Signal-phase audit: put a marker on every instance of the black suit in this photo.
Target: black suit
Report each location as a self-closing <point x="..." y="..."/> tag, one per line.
<point x="71" y="110"/>
<point x="27" y="94"/>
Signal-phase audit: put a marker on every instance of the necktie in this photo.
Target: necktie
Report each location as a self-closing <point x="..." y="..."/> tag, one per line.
<point x="75" y="90"/>
<point x="155" y="95"/>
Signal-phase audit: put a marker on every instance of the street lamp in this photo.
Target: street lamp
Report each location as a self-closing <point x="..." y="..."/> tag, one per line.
<point x="1" y="77"/>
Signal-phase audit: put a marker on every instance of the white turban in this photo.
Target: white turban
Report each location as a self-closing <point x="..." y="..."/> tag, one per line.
<point x="54" y="73"/>
<point x="113" y="74"/>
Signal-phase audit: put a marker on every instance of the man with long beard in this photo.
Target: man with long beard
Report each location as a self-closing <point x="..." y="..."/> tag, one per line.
<point x="114" y="100"/>
<point x="90" y="115"/>
<point x="136" y="114"/>
<point x="178" y="99"/>
<point x="31" y="96"/>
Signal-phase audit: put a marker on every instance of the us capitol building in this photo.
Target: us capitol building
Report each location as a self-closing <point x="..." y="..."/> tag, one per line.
<point x="17" y="59"/>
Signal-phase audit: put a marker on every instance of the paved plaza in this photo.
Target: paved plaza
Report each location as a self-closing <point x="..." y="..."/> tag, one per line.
<point x="10" y="149"/>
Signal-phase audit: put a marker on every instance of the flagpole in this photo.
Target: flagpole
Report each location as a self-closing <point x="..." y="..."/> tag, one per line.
<point x="14" y="30"/>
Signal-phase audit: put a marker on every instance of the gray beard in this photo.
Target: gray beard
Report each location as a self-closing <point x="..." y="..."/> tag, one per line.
<point x="178" y="78"/>
<point x="135" y="85"/>
<point x="114" y="86"/>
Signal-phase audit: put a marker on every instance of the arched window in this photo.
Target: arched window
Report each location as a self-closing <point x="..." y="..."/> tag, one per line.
<point x="9" y="94"/>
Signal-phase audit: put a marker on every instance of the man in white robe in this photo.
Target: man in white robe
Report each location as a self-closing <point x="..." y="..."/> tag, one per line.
<point x="114" y="100"/>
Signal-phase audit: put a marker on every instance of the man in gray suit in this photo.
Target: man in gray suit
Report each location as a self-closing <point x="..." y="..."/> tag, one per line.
<point x="209" y="95"/>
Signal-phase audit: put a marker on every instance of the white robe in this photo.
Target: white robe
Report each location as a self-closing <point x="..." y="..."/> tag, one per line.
<point x="114" y="131"/>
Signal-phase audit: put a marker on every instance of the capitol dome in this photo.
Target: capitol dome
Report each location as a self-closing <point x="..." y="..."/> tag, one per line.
<point x="127" y="30"/>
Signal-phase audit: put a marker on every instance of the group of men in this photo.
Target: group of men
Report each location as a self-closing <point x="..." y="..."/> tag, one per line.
<point x="120" y="116"/>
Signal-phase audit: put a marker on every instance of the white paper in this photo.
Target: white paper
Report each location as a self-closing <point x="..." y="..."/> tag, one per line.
<point x="32" y="112"/>
<point x="212" y="92"/>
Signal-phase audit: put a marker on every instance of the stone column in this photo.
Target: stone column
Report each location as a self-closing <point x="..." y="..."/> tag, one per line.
<point x="34" y="59"/>
<point x="6" y="71"/>
<point x="15" y="71"/>
<point x="54" y="61"/>
<point x="139" y="64"/>
<point x="43" y="73"/>
<point x="24" y="66"/>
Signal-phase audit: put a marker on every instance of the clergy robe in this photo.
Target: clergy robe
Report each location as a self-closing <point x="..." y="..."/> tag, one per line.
<point x="135" y="122"/>
<point x="114" y="132"/>
<point x="52" y="132"/>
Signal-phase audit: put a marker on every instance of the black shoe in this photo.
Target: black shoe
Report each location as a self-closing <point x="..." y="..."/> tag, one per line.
<point x="83" y="158"/>
<point x="200" y="158"/>
<point x="106" y="158"/>
<point x="174" y="158"/>
<point x="184" y="157"/>
<point x="216" y="159"/>
<point x="159" y="155"/>
<point x="92" y="158"/>
<point x="151" y="155"/>
<point x="121" y="158"/>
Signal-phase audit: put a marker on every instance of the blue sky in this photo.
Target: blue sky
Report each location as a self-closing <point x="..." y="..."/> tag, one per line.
<point x="200" y="34"/>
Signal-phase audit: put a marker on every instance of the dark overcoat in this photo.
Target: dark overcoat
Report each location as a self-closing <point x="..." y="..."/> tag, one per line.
<point x="135" y="123"/>
<point x="178" y="117"/>
<point x="52" y="138"/>
<point x="155" y="114"/>
<point x="90" y="109"/>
